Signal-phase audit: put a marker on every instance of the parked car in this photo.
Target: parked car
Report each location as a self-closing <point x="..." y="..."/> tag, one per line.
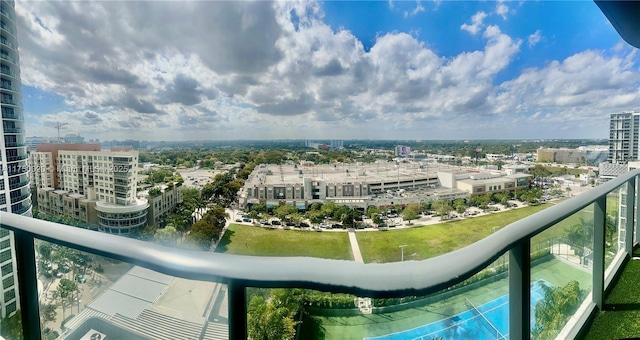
<point x="57" y="274"/>
<point x="63" y="267"/>
<point x="275" y="222"/>
<point x="246" y="220"/>
<point x="80" y="278"/>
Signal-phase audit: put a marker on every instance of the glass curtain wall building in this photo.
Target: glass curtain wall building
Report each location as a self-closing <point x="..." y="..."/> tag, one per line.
<point x="15" y="194"/>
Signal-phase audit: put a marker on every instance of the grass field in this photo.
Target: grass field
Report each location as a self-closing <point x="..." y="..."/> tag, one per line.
<point x="555" y="272"/>
<point x="249" y="240"/>
<point x="429" y="241"/>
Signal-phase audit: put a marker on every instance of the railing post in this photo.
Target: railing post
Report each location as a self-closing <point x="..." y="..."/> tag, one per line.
<point x="599" y="211"/>
<point x="629" y="216"/>
<point x="27" y="285"/>
<point x="237" y="311"/>
<point x="520" y="290"/>
<point x="636" y="235"/>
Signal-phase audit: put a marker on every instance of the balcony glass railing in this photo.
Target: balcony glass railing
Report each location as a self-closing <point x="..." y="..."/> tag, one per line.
<point x="18" y="185"/>
<point x="6" y="13"/>
<point x="16" y="171"/>
<point x="22" y="209"/>
<point x="6" y="42"/>
<point x="7" y="28"/>
<point x="14" y="144"/>
<point x="8" y="87"/>
<point x="11" y="130"/>
<point x="16" y="158"/>
<point x="7" y="58"/>
<point x="7" y="115"/>
<point x="10" y="101"/>
<point x="565" y="246"/>
<point x="7" y="72"/>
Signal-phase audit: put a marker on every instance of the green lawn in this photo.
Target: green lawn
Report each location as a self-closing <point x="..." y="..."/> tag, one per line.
<point x="249" y="240"/>
<point x="429" y="241"/>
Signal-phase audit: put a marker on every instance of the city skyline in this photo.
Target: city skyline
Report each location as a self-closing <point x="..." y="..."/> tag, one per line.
<point x="334" y="70"/>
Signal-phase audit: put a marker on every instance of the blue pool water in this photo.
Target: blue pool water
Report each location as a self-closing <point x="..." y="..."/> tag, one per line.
<point x="492" y="324"/>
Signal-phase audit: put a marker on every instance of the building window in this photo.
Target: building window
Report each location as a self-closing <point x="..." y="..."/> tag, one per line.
<point x="8" y="282"/>
<point x="7" y="269"/>
<point x="9" y="295"/>
<point x="5" y="244"/>
<point x="5" y="255"/>
<point x="11" y="307"/>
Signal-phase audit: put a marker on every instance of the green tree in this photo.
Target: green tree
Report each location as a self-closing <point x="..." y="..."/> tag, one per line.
<point x="580" y="235"/>
<point x="208" y="229"/>
<point x="459" y="205"/>
<point x="328" y="209"/>
<point x="153" y="192"/>
<point x="409" y="214"/>
<point x="442" y="208"/>
<point x="166" y="236"/>
<point x="66" y="289"/>
<point x="282" y="211"/>
<point x="48" y="312"/>
<point x="377" y="219"/>
<point x="558" y="305"/>
<point x="273" y="317"/>
<point x="11" y="326"/>
<point x="45" y="251"/>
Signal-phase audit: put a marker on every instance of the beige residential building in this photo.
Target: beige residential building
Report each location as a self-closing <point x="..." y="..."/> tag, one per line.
<point x="91" y="186"/>
<point x="161" y="204"/>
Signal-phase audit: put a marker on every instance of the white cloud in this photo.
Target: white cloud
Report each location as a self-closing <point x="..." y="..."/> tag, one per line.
<point x="502" y="9"/>
<point x="282" y="72"/>
<point x="419" y="8"/>
<point x="534" y="38"/>
<point x="476" y="23"/>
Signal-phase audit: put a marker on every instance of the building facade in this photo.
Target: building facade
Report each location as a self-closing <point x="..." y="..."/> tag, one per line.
<point x="92" y="186"/>
<point x="364" y="185"/>
<point x="583" y="155"/>
<point x="623" y="137"/>
<point x="14" y="186"/>
<point x="161" y="203"/>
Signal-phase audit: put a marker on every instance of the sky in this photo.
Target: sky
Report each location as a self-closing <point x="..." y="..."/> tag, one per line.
<point x="216" y="70"/>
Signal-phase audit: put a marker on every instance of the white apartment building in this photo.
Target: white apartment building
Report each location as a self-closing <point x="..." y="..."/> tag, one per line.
<point x="83" y="173"/>
<point x="15" y="194"/>
<point x="624" y="141"/>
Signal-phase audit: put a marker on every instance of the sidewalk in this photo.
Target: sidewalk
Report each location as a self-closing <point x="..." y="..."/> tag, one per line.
<point x="355" y="249"/>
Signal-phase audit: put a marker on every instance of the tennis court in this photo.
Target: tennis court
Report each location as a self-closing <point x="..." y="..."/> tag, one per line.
<point x="487" y="321"/>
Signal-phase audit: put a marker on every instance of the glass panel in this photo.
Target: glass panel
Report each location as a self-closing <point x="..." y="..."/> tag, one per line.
<point x="10" y="323"/>
<point x="474" y="309"/>
<point x="83" y="291"/>
<point x="615" y="223"/>
<point x="561" y="272"/>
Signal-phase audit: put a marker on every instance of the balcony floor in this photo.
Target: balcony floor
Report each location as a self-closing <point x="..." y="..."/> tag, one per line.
<point x="619" y="320"/>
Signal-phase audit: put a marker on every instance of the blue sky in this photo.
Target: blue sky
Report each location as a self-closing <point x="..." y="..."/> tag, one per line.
<point x="333" y="69"/>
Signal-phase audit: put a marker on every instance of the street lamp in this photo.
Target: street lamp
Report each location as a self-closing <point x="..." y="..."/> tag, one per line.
<point x="402" y="252"/>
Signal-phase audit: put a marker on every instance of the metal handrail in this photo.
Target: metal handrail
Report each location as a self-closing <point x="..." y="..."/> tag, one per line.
<point x="384" y="280"/>
<point x="372" y="280"/>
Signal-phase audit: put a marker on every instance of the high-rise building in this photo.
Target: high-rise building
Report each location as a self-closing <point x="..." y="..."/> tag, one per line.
<point x="624" y="141"/>
<point x="91" y="186"/>
<point x="15" y="194"/>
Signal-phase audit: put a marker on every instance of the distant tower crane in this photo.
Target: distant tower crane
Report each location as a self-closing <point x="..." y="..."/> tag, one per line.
<point x="58" y="126"/>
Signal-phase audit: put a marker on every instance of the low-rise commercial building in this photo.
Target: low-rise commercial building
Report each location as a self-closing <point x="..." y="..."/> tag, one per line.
<point x="373" y="184"/>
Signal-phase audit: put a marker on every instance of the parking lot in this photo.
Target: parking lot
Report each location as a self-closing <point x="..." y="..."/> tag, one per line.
<point x="196" y="178"/>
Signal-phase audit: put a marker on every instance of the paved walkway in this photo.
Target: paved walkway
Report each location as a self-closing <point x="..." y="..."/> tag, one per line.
<point x="355" y="249"/>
